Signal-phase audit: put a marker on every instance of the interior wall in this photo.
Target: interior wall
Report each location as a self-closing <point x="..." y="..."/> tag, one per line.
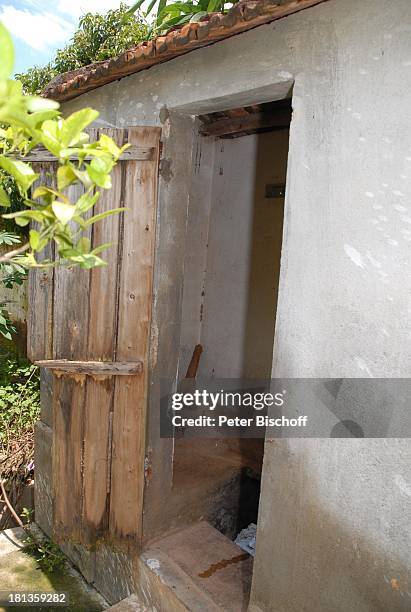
<point x="233" y="255"/>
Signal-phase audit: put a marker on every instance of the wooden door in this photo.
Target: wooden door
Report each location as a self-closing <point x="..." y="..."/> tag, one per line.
<point x="99" y="321"/>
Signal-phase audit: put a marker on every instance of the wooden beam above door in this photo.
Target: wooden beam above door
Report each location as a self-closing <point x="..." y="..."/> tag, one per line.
<point x="247" y="120"/>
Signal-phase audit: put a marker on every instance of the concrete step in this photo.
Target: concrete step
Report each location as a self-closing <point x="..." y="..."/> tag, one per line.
<point x="196" y="569"/>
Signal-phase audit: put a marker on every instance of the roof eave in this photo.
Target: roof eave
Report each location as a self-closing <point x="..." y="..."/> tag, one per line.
<point x="242" y="17"/>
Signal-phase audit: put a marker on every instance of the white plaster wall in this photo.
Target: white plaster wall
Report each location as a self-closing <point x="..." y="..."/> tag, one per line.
<point x="233" y="255"/>
<point x="224" y="316"/>
<point x="344" y="304"/>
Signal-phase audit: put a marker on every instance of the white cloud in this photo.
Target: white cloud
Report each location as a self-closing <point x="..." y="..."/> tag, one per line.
<point x="76" y="8"/>
<point x="38" y="30"/>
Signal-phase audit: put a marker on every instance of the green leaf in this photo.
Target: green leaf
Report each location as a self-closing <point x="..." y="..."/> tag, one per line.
<point x="23" y="173"/>
<point x="198" y="16"/>
<point x="109" y="144"/>
<point x="101" y="179"/>
<point x="22" y="221"/>
<point x="50" y="136"/>
<point x="103" y="215"/>
<point x="150" y="7"/>
<point x="65" y="176"/>
<point x="35" y="104"/>
<point x="64" y="212"/>
<point x="75" y="124"/>
<point x="6" y="53"/>
<point x="87" y="201"/>
<point x="102" y="247"/>
<point x="135" y="7"/>
<point x="4" y="198"/>
<point x="9" y="239"/>
<point x="213" y="5"/>
<point x="34" y="239"/>
<point x="38" y="118"/>
<point x="161" y="5"/>
<point x="83" y="245"/>
<point x="83" y="177"/>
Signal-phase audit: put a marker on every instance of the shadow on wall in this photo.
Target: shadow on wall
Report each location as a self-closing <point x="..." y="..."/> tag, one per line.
<point x="265" y="255"/>
<point x="307" y="559"/>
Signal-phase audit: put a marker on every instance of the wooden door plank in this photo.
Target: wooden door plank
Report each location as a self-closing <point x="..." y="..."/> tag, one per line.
<point x="103" y="281"/>
<point x="70" y="337"/>
<point x="101" y="346"/>
<point x="97" y="454"/>
<point x="68" y="408"/>
<point x="71" y="305"/>
<point x="40" y="292"/>
<point x="134" y="316"/>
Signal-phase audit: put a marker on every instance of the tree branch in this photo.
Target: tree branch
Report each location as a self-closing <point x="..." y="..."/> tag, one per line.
<point x="6" y="257"/>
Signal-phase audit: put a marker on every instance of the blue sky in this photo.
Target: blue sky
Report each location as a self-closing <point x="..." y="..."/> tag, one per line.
<point x="39" y="27"/>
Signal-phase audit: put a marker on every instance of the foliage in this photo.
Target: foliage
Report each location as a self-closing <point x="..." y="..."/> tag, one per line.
<point x="178" y="13"/>
<point x="6" y="326"/>
<point x="19" y="399"/>
<point x="13" y="274"/>
<point x="49" y="556"/>
<point x="29" y="121"/>
<point x="98" y="37"/>
<point x="36" y="78"/>
<point x="9" y="185"/>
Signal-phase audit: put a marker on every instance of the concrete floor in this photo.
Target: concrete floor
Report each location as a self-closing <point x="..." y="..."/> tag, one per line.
<point x="20" y="572"/>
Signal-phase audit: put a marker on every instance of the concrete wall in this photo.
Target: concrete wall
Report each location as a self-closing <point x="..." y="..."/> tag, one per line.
<point x="343" y="310"/>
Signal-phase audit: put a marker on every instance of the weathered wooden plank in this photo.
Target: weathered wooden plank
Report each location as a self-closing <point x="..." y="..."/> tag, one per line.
<point x="134" y="316"/>
<point x="97" y="458"/>
<point x="101" y="345"/>
<point x="94" y="368"/>
<point x="68" y="408"/>
<point x="43" y="480"/>
<point x="103" y="281"/>
<point x="40" y="293"/>
<point x="71" y="316"/>
<point x="41" y="154"/>
<point x="71" y="291"/>
<point x="253" y="121"/>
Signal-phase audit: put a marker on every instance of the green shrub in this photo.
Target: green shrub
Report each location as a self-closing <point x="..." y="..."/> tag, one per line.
<point x="19" y="399"/>
<point x="98" y="37"/>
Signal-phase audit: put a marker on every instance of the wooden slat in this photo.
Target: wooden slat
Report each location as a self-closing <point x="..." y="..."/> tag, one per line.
<point x="113" y="368"/>
<point x="40" y="293"/>
<point x="101" y="345"/>
<point x="68" y="408"/>
<point x="253" y="121"/>
<point x="103" y="281"/>
<point x="70" y="337"/>
<point x="41" y="154"/>
<point x="71" y="291"/>
<point x="134" y="316"/>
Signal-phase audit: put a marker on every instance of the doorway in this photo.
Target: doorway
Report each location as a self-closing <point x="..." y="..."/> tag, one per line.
<point x="231" y="278"/>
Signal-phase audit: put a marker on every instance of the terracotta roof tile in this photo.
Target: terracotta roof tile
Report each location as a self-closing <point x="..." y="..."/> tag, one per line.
<point x="243" y="16"/>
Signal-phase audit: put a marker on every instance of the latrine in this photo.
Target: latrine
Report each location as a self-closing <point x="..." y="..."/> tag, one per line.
<point x="91" y="333"/>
